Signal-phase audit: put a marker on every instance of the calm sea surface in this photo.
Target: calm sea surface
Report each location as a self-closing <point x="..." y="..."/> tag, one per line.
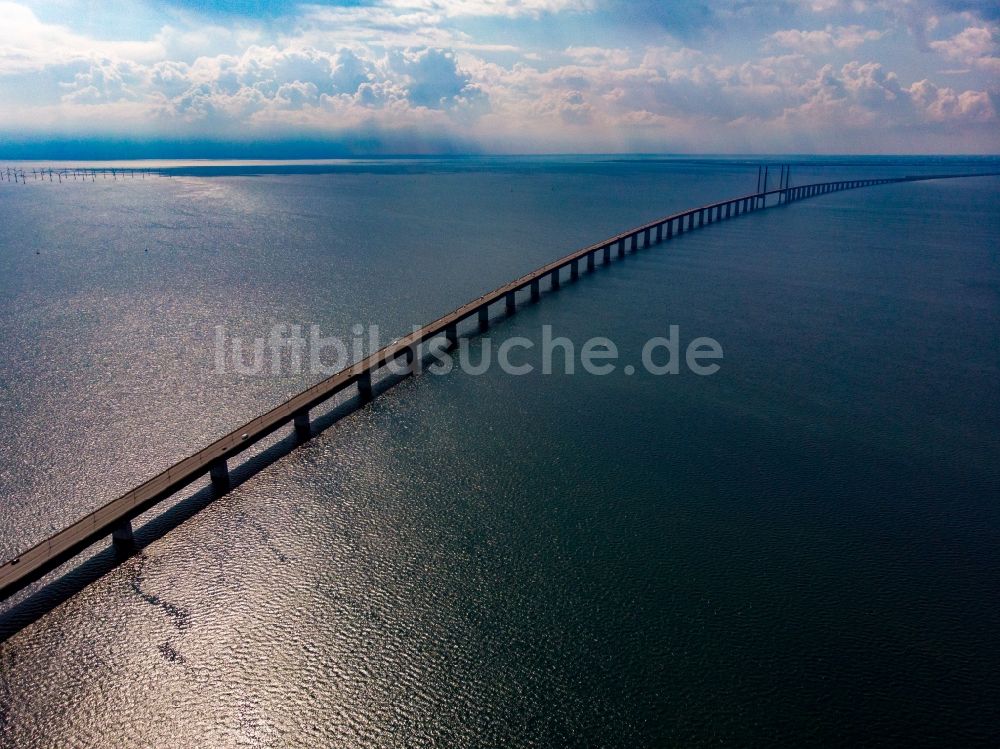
<point x="803" y="549"/>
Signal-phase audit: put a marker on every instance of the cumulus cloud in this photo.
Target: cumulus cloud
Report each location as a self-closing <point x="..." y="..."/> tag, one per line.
<point x="597" y="55"/>
<point x="412" y="64"/>
<point x="825" y="40"/>
<point x="974" y="46"/>
<point x="508" y="8"/>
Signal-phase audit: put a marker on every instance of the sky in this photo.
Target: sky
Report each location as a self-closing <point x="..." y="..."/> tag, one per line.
<point x="352" y="77"/>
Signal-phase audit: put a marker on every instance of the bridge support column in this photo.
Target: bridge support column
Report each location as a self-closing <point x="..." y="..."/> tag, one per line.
<point x="691" y="222"/>
<point x="621" y="248"/>
<point x="670" y="229"/>
<point x="701" y="217"/>
<point x="451" y="333"/>
<point x="510" y="302"/>
<point x="729" y="210"/>
<point x="302" y="427"/>
<point x="365" y="385"/>
<point x="645" y="238"/>
<point x="659" y="233"/>
<point x="219" y="473"/>
<point x="634" y="242"/>
<point x="607" y="254"/>
<point x="590" y="262"/>
<point x="484" y="318"/>
<point x="409" y="355"/>
<point x="554" y="279"/>
<point x="574" y="270"/>
<point x="121" y="536"/>
<point x="536" y="292"/>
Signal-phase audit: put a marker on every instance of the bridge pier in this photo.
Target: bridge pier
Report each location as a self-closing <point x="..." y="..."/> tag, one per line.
<point x="510" y="303"/>
<point x="121" y="536"/>
<point x="690" y="222"/>
<point x="670" y="229"/>
<point x="536" y="292"/>
<point x="729" y="210"/>
<point x="607" y="254"/>
<point x="302" y="427"/>
<point x="621" y="248"/>
<point x="590" y="262"/>
<point x="634" y="242"/>
<point x="365" y="385"/>
<point x="659" y="233"/>
<point x="645" y="239"/>
<point x="554" y="279"/>
<point x="218" y="471"/>
<point x="484" y="318"/>
<point x="574" y="270"/>
<point x="451" y="333"/>
<point x="410" y="356"/>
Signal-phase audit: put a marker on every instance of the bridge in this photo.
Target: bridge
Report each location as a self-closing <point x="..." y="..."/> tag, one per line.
<point x="115" y="518"/>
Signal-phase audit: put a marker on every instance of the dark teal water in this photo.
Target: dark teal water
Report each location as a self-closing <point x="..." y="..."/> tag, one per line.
<point x="798" y="550"/>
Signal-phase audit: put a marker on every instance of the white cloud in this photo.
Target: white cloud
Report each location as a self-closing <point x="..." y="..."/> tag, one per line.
<point x="28" y="45"/>
<point x="412" y="64"/>
<point x="974" y="46"/>
<point x="826" y="40"/>
<point x="507" y="8"/>
<point x="598" y="55"/>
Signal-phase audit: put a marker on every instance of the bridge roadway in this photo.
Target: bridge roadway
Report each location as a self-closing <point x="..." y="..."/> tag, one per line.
<point x="115" y="517"/>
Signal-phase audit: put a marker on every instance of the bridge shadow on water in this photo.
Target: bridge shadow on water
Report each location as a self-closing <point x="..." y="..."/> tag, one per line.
<point x="45" y="596"/>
